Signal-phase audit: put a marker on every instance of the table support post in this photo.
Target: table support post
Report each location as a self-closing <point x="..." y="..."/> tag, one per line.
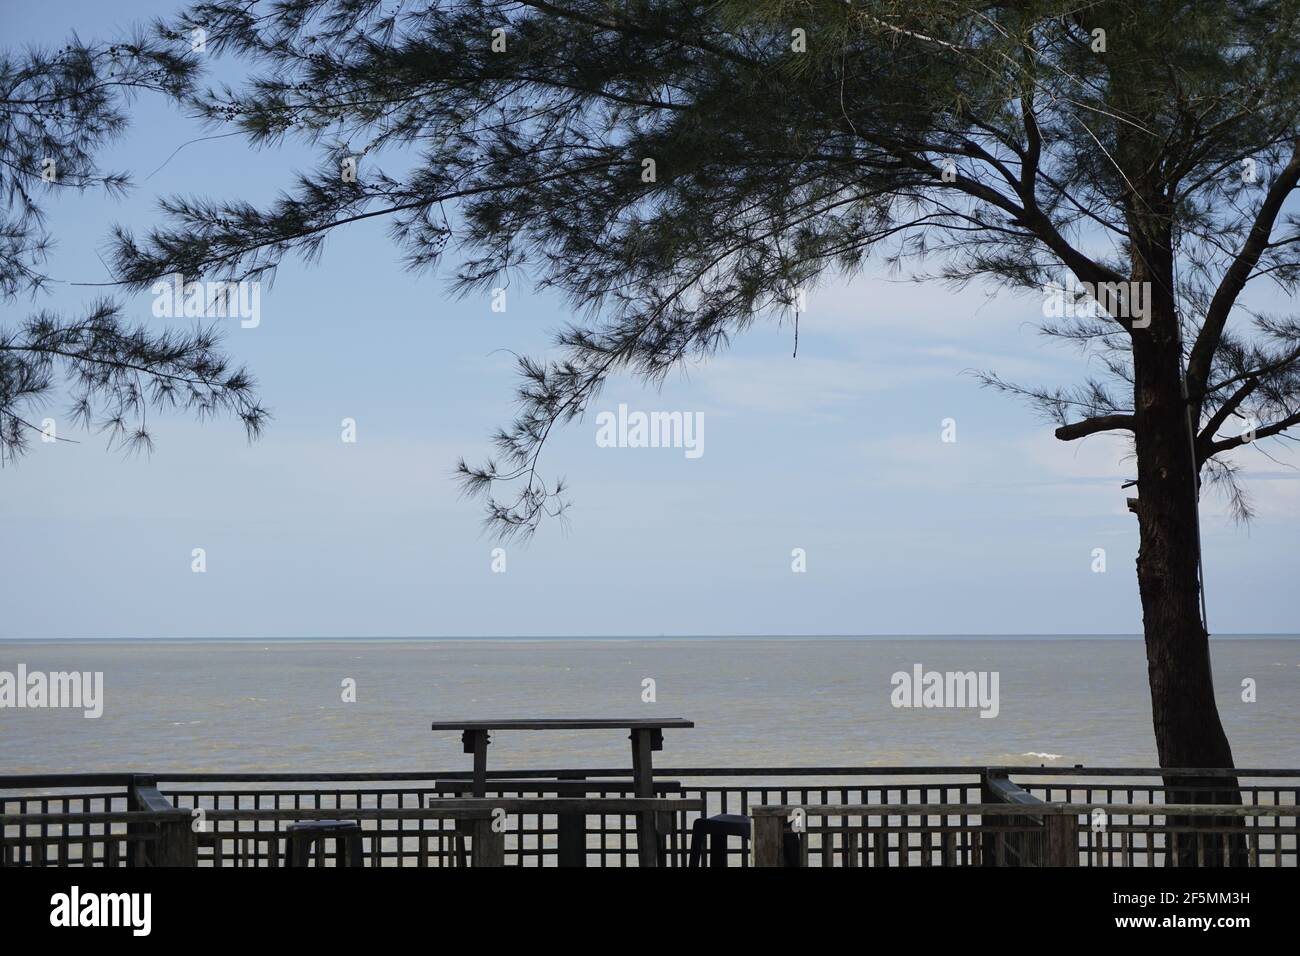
<point x="647" y="836"/>
<point x="476" y="743"/>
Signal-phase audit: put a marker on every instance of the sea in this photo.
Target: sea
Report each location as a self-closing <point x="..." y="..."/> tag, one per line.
<point x="366" y="704"/>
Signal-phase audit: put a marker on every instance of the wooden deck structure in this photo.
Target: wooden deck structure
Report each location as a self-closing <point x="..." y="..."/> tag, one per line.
<point x="844" y="816"/>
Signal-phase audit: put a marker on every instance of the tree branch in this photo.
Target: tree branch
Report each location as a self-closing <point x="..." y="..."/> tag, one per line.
<point x="1091" y="426"/>
<point x="1226" y="409"/>
<point x="1234" y="279"/>
<point x="1268" y="431"/>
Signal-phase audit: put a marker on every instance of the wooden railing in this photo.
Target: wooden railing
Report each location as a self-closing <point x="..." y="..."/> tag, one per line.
<point x="402" y="836"/>
<point x="174" y="837"/>
<point x="170" y="837"/>
<point x="999" y="834"/>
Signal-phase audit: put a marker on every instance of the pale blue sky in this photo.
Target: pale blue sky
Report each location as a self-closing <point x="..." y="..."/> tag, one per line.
<point x="837" y="452"/>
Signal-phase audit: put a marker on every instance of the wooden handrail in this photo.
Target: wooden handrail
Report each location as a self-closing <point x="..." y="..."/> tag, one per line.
<point x="1020" y="810"/>
<point x="47" y="780"/>
<point x="440" y="809"/>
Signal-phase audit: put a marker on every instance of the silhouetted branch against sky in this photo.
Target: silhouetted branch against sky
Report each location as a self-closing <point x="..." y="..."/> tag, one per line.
<point x="58" y="109"/>
<point x="678" y="170"/>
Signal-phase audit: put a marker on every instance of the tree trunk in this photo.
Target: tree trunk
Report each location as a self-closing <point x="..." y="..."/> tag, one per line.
<point x="1187" y="727"/>
<point x="1188" y="731"/>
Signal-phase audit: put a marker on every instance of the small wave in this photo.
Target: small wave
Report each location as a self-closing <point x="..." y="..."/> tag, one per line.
<point x="1042" y="756"/>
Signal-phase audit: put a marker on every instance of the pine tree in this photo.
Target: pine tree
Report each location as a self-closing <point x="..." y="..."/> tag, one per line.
<point x="679" y="170"/>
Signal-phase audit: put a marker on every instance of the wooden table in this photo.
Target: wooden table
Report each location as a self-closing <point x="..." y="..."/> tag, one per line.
<point x="646" y="734"/>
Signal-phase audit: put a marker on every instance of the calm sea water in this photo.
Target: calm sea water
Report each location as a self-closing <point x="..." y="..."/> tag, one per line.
<point x="263" y="706"/>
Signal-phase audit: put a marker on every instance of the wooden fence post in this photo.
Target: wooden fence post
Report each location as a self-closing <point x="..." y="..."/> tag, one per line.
<point x="768" y="833"/>
<point x="1062" y="840"/>
<point x="177" y="844"/>
<point x="489" y="845"/>
<point x="136" y="854"/>
<point x="987" y="840"/>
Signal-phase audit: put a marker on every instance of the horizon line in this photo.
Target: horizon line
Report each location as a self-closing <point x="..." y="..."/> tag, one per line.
<point x="1029" y="635"/>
